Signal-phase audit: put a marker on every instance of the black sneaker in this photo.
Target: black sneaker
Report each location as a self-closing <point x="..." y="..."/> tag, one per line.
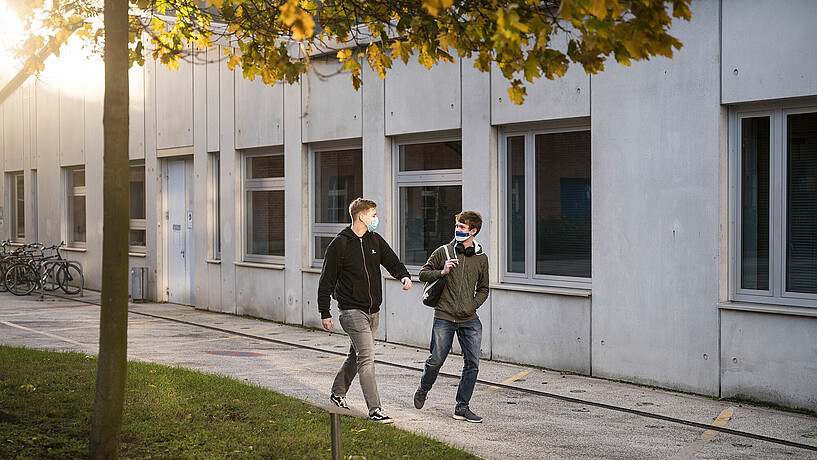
<point x="379" y="416"/>
<point x="339" y="401"/>
<point x="420" y="397"/>
<point x="466" y="414"/>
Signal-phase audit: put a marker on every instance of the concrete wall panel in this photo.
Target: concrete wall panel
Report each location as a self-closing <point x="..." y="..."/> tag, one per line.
<point x="174" y="106"/>
<point x="13" y="135"/>
<point x="403" y="317"/>
<point x="769" y="358"/>
<point x="136" y="145"/>
<point x="545" y="330"/>
<point x="47" y="146"/>
<point x="215" y="59"/>
<point x="72" y="118"/>
<point x="259" y="292"/>
<point x="332" y="108"/>
<point x="768" y="50"/>
<point x="655" y="160"/>
<point x="259" y="113"/>
<point x="309" y="298"/>
<point x="566" y="97"/>
<point x="422" y="100"/>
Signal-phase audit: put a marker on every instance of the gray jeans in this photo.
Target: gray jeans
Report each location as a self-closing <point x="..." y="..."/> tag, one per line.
<point x="361" y="328"/>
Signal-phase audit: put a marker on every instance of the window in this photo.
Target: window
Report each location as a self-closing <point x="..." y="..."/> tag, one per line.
<point x="546" y="189"/>
<point x="34" y="233"/>
<point x="75" y="204"/>
<point x="215" y="204"/>
<point x="138" y="234"/>
<point x="337" y="179"/>
<point x="429" y="188"/>
<point x="775" y="206"/>
<point x="17" y="206"/>
<point x="264" y="207"/>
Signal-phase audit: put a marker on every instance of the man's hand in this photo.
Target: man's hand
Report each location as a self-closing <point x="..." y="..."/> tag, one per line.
<point x="450" y="263"/>
<point x="328" y="324"/>
<point x="406" y="283"/>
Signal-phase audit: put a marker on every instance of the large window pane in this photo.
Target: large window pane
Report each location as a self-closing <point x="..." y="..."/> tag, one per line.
<point x="563" y="204"/>
<point x="516" y="204"/>
<point x="262" y="167"/>
<point x="754" y="199"/>
<point x="338" y="181"/>
<point x="427" y="215"/>
<point x="76" y="215"/>
<point x="137" y="192"/>
<point x="265" y="222"/>
<point x="431" y="156"/>
<point x="19" y="208"/>
<point x="137" y="238"/>
<point x="801" y="235"/>
<point x="321" y="243"/>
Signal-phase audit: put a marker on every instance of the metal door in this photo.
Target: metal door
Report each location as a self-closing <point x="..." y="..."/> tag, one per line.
<point x="179" y="231"/>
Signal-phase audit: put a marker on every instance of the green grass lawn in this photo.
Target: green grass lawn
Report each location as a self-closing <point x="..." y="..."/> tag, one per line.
<point x="46" y="402"/>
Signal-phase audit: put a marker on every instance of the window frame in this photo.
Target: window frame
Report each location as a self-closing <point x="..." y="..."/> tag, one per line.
<point x="214" y="204"/>
<point x="138" y="224"/>
<point x="430" y="178"/>
<point x="529" y="132"/>
<point x="778" y="114"/>
<point x="326" y="230"/>
<point x="13" y="180"/>
<point x="252" y="185"/>
<point x="69" y="194"/>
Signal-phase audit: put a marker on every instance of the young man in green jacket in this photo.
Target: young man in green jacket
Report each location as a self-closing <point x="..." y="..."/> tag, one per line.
<point x="466" y="288"/>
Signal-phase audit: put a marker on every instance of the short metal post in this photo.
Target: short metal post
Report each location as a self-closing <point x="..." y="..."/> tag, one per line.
<point x="334" y="424"/>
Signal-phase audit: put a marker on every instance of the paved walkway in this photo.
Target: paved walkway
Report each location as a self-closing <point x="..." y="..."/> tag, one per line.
<point x="517" y="424"/>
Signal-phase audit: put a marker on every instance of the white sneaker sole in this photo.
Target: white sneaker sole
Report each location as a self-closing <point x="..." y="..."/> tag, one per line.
<point x="460" y="417"/>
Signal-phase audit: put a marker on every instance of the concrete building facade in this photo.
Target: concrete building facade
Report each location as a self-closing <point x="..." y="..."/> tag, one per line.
<point x="654" y="223"/>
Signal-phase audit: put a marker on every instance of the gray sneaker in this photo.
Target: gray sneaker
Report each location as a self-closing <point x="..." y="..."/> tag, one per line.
<point x="466" y="414"/>
<point x="420" y="397"/>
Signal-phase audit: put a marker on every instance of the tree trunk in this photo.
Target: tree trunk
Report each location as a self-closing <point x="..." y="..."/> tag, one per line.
<point x="113" y="328"/>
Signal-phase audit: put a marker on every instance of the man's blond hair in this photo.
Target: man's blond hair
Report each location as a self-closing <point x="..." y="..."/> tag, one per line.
<point x="360" y="205"/>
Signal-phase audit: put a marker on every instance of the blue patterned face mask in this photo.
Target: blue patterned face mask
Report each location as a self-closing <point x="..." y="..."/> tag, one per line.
<point x="371" y="227"/>
<point x="461" y="236"/>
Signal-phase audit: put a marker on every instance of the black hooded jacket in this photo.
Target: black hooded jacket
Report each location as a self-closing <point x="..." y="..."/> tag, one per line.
<point x="351" y="272"/>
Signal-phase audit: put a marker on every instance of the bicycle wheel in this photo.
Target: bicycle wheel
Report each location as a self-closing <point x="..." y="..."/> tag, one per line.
<point x="4" y="266"/>
<point x="70" y="278"/>
<point x="21" y="279"/>
<point x="50" y="279"/>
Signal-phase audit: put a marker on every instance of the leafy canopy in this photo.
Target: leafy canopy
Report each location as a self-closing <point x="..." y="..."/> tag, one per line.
<point x="275" y="39"/>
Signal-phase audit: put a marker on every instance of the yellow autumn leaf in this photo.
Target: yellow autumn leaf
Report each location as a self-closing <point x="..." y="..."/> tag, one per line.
<point x="297" y="19"/>
<point x="234" y="61"/>
<point x="434" y="6"/>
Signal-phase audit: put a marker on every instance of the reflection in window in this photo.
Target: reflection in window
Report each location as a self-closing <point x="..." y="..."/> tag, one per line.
<point x="563" y="204"/>
<point x="138" y="236"/>
<point x="801" y="200"/>
<point x="429" y="201"/>
<point x="75" y="193"/>
<point x="755" y="204"/>
<point x="264" y="204"/>
<point x="338" y="179"/>
<point x="18" y="206"/>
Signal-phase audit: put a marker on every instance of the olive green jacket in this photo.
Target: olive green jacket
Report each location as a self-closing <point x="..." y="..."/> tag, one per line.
<point x="466" y="284"/>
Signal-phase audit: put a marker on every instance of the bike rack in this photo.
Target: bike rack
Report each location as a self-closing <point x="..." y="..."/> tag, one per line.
<point x="52" y="262"/>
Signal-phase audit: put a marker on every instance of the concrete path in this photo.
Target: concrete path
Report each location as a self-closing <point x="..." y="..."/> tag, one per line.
<point x="517" y="424"/>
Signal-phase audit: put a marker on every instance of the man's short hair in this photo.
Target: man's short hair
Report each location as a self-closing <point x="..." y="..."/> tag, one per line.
<point x="472" y="219"/>
<point x="360" y="205"/>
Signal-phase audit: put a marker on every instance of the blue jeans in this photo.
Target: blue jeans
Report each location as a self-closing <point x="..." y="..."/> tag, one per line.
<point x="442" y="336"/>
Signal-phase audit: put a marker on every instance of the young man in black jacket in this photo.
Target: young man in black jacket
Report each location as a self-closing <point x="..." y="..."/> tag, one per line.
<point x="351" y="274"/>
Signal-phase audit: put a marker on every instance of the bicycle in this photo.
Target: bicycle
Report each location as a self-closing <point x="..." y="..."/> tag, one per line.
<point x="23" y="276"/>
